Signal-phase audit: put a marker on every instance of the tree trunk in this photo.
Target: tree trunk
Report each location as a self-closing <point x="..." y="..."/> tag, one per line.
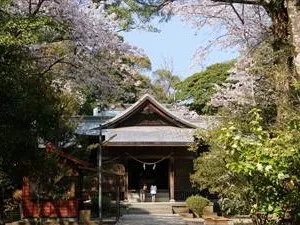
<point x="280" y="25"/>
<point x="282" y="45"/>
<point x="293" y="8"/>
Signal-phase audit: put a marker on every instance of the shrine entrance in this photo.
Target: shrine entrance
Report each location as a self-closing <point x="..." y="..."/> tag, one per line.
<point x="152" y="144"/>
<point x="139" y="174"/>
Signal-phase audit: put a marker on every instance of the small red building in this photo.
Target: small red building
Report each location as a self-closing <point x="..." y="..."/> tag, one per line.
<point x="37" y="208"/>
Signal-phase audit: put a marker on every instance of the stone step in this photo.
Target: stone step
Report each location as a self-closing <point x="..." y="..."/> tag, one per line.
<point x="209" y="215"/>
<point x="158" y="198"/>
<point x="187" y="215"/>
<point x="147" y="211"/>
<point x="149" y="204"/>
<point x="151" y="220"/>
<point x="133" y="196"/>
<point x="177" y="209"/>
<point x="194" y="221"/>
<point x="218" y="221"/>
<point x="148" y="208"/>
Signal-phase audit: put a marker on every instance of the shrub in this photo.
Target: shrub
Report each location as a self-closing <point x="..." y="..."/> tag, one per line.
<point x="197" y="203"/>
<point x="108" y="209"/>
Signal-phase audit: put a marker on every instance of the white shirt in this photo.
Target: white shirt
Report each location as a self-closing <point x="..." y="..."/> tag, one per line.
<point x="153" y="189"/>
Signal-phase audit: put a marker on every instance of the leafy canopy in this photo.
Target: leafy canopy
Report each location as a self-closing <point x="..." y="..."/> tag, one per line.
<point x="259" y="166"/>
<point x="33" y="106"/>
<point x="165" y="82"/>
<point x="200" y="87"/>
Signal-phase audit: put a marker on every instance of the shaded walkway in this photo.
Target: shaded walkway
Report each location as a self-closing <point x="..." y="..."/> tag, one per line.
<point x="142" y="219"/>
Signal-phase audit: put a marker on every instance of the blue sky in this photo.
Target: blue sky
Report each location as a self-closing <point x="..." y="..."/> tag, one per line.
<point x="176" y="43"/>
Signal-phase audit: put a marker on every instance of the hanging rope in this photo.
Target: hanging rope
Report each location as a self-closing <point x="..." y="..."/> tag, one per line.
<point x="149" y="163"/>
<point x="140" y="161"/>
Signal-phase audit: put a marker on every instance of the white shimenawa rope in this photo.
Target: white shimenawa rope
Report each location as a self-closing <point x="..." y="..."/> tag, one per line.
<point x="149" y="163"/>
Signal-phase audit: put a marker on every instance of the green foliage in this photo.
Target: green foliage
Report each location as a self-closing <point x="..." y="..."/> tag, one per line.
<point x="233" y="205"/>
<point x="270" y="160"/>
<point x="108" y="208"/>
<point x="130" y="93"/>
<point x="89" y="103"/>
<point x="133" y="14"/>
<point x="200" y="87"/>
<point x="32" y="106"/>
<point x="262" y="166"/>
<point x="197" y="203"/>
<point x="211" y="173"/>
<point x="165" y="82"/>
<point x="20" y="29"/>
<point x="159" y="93"/>
<point x="137" y="61"/>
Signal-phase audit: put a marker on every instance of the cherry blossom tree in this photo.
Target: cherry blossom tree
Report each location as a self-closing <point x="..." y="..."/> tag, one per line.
<point x="88" y="48"/>
<point x="246" y="24"/>
<point x="243" y="22"/>
<point x="235" y="25"/>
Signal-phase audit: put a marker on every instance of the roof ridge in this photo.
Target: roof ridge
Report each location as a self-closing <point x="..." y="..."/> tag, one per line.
<point x="133" y="107"/>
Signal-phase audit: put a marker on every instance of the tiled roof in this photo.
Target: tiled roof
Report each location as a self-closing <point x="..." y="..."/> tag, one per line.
<point x="149" y="136"/>
<point x="170" y="135"/>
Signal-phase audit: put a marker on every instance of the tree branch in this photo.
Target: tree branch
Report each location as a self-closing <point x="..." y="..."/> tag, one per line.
<point x="60" y="60"/>
<point x="53" y="64"/>
<point x="38" y="6"/>
<point x="29" y="6"/>
<point x="247" y="2"/>
<point x="158" y="6"/>
<point x="236" y="12"/>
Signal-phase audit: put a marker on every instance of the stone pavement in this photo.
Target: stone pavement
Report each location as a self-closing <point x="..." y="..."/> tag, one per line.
<point x="151" y="219"/>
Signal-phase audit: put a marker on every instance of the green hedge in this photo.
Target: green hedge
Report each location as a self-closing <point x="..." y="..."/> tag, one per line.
<point x="197" y="203"/>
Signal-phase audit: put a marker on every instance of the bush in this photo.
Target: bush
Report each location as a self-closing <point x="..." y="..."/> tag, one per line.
<point x="233" y="206"/>
<point x="108" y="209"/>
<point x="197" y="203"/>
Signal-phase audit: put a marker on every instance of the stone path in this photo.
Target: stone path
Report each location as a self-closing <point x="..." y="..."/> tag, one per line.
<point x="150" y="219"/>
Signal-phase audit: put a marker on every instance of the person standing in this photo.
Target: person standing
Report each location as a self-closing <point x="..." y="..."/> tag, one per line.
<point x="153" y="191"/>
<point x="143" y="192"/>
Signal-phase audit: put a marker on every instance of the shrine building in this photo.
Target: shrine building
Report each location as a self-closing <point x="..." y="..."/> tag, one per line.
<point x="150" y="141"/>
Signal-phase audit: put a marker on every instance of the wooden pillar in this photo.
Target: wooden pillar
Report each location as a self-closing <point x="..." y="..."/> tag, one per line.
<point x="80" y="189"/>
<point x="126" y="179"/>
<point x="172" y="179"/>
<point x="118" y="197"/>
<point x="26" y="189"/>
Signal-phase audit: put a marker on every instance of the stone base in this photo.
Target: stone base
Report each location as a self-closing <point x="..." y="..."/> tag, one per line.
<point x="218" y="221"/>
<point x="194" y="221"/>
